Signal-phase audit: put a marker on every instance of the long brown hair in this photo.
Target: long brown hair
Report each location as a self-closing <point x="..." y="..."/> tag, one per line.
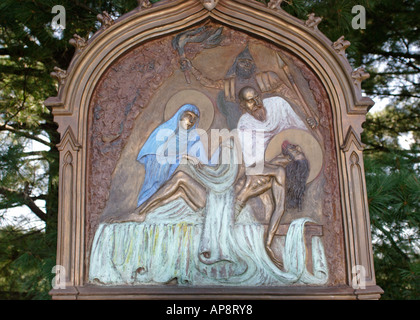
<point x="297" y="173"/>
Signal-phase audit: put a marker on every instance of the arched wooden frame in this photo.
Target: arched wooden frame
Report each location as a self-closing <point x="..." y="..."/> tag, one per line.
<point x="302" y="38"/>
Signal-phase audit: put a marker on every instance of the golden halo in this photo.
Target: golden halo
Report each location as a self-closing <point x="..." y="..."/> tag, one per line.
<point x="310" y="146"/>
<point x="197" y="98"/>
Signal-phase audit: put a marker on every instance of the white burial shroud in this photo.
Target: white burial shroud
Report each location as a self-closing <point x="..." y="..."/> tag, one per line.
<point x="202" y="248"/>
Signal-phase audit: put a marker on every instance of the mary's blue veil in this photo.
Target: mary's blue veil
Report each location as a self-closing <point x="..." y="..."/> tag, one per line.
<point x="157" y="172"/>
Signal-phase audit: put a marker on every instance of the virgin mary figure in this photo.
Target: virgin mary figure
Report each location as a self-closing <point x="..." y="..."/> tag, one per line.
<point x="168" y="143"/>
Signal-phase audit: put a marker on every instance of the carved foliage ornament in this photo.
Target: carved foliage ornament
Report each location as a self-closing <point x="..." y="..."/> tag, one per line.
<point x="313" y="21"/>
<point x="341" y="45"/>
<point x="59" y="74"/>
<point x="105" y="19"/>
<point x="144" y="4"/>
<point x="359" y="75"/>
<point x="78" y="42"/>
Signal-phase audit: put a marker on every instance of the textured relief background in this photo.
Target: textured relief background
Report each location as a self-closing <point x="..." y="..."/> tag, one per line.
<point x="130" y="100"/>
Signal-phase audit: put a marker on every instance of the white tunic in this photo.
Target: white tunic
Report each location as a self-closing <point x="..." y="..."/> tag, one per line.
<point x="255" y="135"/>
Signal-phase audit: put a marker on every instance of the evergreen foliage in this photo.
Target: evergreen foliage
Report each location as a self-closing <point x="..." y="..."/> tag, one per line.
<point x="29" y="49"/>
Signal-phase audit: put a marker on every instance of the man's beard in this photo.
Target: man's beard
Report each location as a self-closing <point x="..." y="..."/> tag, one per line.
<point x="259" y="113"/>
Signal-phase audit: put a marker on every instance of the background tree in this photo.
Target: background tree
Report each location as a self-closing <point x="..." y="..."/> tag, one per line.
<point x="30" y="48"/>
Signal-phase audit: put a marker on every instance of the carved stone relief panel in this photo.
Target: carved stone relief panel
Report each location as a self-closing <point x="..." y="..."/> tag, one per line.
<point x="212" y="162"/>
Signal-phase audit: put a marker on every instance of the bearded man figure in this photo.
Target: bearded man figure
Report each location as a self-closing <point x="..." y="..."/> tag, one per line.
<point x="262" y="120"/>
<point x="243" y="73"/>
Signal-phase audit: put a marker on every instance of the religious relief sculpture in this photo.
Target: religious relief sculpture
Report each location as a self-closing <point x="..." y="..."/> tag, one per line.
<point x="221" y="174"/>
<point x="211" y="149"/>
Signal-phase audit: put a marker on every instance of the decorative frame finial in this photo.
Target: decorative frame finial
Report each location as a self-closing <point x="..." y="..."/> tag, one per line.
<point x="209" y="4"/>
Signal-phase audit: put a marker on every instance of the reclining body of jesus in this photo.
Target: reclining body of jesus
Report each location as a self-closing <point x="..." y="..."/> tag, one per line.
<point x="281" y="184"/>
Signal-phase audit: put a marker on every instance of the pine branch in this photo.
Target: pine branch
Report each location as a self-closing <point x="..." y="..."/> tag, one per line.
<point x="85" y="7"/>
<point x="403" y="95"/>
<point x="25" y="134"/>
<point x="392" y="73"/>
<point x="388" y="235"/>
<point x="25" y="198"/>
<point x="40" y="154"/>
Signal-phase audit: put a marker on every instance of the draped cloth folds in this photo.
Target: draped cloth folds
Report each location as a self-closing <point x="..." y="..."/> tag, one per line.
<point x="217" y="243"/>
<point x="207" y="247"/>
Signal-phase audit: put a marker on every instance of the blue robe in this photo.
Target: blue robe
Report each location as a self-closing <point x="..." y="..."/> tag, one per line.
<point x="163" y="151"/>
